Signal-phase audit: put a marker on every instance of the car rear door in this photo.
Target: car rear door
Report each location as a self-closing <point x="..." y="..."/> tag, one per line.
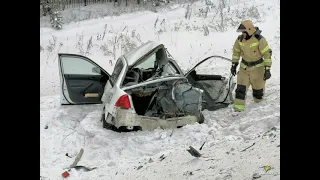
<point x="217" y="88"/>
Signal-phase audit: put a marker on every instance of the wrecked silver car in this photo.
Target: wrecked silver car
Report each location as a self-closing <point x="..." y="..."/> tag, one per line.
<point x="147" y="89"/>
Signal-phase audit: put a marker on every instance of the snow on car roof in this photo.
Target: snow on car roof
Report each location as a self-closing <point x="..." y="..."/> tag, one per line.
<point x="140" y="51"/>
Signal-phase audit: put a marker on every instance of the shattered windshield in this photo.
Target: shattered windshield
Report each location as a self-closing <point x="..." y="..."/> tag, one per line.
<point x="154" y="67"/>
<point x="167" y="70"/>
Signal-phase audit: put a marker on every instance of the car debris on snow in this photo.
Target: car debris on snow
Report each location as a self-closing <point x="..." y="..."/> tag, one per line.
<point x="190" y="173"/>
<point x="248" y="147"/>
<point x="269" y="133"/>
<point x="74" y="165"/>
<point x="266" y="168"/>
<point x="193" y="152"/>
<point x="202" y="145"/>
<point x="68" y="155"/>
<point x="84" y="168"/>
<point x="256" y="176"/>
<point x="162" y="157"/>
<point x="65" y="174"/>
<point x="77" y="159"/>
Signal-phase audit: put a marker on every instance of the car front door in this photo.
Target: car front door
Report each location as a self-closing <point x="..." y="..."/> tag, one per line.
<point x="82" y="81"/>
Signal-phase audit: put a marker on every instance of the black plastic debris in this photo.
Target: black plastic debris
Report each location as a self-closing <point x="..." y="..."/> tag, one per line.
<point x="193" y="152"/>
<point x="188" y="173"/>
<point x="256" y="176"/>
<point x="162" y="157"/>
<point x="248" y="147"/>
<point x="68" y="155"/>
<point x="202" y="145"/>
<point x="84" y="168"/>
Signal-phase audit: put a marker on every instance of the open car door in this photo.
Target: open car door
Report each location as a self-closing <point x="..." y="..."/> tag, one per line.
<point x="217" y="90"/>
<point x="82" y="81"/>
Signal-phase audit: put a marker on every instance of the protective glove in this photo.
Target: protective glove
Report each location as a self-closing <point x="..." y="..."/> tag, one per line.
<point x="267" y="73"/>
<point x="234" y="68"/>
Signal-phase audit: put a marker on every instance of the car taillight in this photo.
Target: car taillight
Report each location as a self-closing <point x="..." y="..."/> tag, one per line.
<point x="123" y="102"/>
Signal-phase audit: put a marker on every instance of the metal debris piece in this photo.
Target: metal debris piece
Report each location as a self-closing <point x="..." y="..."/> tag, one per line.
<point x="75" y="162"/>
<point x="202" y="145"/>
<point x="162" y="157"/>
<point x="86" y="169"/>
<point x="248" y="147"/>
<point x="256" y="176"/>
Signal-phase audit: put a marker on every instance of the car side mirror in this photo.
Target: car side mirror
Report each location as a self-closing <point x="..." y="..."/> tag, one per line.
<point x="96" y="70"/>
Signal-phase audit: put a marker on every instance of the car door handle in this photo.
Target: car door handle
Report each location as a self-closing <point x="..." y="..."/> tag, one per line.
<point x="91" y="78"/>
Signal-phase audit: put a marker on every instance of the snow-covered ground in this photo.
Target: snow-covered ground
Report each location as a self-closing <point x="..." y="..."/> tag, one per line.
<point x="136" y="155"/>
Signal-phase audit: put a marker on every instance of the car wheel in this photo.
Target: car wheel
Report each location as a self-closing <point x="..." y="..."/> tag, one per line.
<point x="107" y="125"/>
<point x="201" y="118"/>
<point x="104" y="123"/>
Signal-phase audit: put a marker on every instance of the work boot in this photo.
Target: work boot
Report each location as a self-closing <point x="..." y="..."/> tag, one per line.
<point x="236" y="112"/>
<point x="257" y="100"/>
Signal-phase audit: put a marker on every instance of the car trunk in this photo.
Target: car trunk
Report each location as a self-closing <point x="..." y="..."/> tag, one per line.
<point x="141" y="99"/>
<point x="166" y="99"/>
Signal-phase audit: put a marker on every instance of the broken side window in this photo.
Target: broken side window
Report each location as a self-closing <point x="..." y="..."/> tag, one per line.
<point x="116" y="72"/>
<point x="169" y="69"/>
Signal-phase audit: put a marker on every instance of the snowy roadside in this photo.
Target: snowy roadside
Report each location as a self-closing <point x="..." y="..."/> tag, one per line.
<point x="67" y="129"/>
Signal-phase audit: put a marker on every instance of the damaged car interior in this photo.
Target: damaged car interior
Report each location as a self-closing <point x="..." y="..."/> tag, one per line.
<point x="165" y="98"/>
<point x="177" y="97"/>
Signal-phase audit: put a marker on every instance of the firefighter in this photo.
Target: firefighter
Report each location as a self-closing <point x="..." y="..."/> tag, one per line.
<point x="255" y="63"/>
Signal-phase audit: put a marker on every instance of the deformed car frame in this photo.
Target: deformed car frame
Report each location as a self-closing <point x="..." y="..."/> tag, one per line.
<point x="146" y="90"/>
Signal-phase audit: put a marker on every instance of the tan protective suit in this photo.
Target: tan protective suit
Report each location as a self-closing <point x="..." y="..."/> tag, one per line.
<point x="256" y="57"/>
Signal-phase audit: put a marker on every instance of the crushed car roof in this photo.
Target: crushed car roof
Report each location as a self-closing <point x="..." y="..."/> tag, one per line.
<point x="134" y="55"/>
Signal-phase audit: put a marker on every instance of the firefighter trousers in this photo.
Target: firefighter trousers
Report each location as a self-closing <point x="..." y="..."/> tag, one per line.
<point x="250" y="76"/>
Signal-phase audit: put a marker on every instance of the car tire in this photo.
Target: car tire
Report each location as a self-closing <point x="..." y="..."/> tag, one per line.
<point x="201" y="118"/>
<point x="107" y="125"/>
<point x="104" y="123"/>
